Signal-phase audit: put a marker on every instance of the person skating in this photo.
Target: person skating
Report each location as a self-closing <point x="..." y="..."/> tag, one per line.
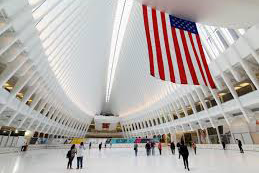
<point x="90" y="145"/>
<point x="71" y="155"/>
<point x="80" y="156"/>
<point x="153" y="144"/>
<point x="194" y="147"/>
<point x="136" y="149"/>
<point x="185" y="154"/>
<point x="148" y="147"/>
<point x="100" y="146"/>
<point x="172" y="146"/>
<point x="178" y="147"/>
<point x="224" y="145"/>
<point x="240" y="145"/>
<point x="160" y="148"/>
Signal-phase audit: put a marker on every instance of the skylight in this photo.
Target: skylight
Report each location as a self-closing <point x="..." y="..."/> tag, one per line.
<point x="121" y="19"/>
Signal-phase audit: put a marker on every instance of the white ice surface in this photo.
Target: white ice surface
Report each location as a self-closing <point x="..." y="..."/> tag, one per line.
<point x="123" y="161"/>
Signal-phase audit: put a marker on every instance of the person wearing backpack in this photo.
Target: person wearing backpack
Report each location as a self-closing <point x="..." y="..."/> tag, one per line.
<point x="71" y="155"/>
<point x="136" y="149"/>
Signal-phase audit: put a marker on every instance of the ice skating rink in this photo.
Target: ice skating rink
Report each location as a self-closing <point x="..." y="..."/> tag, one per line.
<point x="123" y="161"/>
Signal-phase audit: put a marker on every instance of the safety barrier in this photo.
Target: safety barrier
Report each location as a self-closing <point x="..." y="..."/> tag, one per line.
<point x="228" y="147"/>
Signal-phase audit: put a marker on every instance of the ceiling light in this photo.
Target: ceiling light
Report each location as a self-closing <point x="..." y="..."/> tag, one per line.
<point x="222" y="94"/>
<point x="6" y="85"/>
<point x="244" y="84"/>
<point x="121" y="19"/>
<point x="237" y="88"/>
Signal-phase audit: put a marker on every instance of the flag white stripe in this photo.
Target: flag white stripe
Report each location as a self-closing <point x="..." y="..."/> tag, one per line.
<point x="162" y="44"/>
<point x="186" y="68"/>
<point x="199" y="55"/>
<point x="172" y="49"/>
<point x="193" y="58"/>
<point x="150" y="22"/>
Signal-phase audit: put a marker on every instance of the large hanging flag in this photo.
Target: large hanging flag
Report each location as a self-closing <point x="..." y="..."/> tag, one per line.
<point x="175" y="49"/>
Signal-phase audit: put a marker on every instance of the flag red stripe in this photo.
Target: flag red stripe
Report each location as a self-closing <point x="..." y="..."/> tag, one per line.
<point x="197" y="58"/>
<point x="150" y="51"/>
<point x="169" y="59"/>
<point x="188" y="59"/>
<point x="158" y="47"/>
<point x="179" y="58"/>
<point x="212" y="84"/>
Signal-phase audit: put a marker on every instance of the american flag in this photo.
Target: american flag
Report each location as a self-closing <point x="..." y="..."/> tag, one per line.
<point x="175" y="49"/>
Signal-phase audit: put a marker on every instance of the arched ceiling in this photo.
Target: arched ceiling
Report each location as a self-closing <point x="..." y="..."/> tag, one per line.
<point x="224" y="13"/>
<point x="78" y="35"/>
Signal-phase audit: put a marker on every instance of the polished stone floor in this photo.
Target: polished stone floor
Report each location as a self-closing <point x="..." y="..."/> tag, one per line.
<point x="123" y="161"/>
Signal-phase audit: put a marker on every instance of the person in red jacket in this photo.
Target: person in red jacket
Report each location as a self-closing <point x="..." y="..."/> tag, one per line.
<point x="160" y="147"/>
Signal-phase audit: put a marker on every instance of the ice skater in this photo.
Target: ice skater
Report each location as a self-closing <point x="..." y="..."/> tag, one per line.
<point x="160" y="148"/>
<point x="136" y="149"/>
<point x="185" y="154"/>
<point x="90" y="145"/>
<point x="240" y="146"/>
<point x="71" y="155"/>
<point x="178" y="147"/>
<point x="153" y="144"/>
<point x="148" y="147"/>
<point x="194" y="147"/>
<point x="172" y="146"/>
<point x="80" y="155"/>
<point x="100" y="146"/>
<point x="224" y="145"/>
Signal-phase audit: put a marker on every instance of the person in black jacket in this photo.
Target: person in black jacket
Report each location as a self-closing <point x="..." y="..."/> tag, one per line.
<point x="224" y="145"/>
<point x="185" y="154"/>
<point x="240" y="146"/>
<point x="172" y="146"/>
<point x="178" y="147"/>
<point x="148" y="147"/>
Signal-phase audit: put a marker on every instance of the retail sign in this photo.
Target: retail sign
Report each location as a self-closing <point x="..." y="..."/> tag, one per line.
<point x="106" y="125"/>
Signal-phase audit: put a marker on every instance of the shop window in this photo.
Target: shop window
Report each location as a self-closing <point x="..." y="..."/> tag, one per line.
<point x="10" y="84"/>
<point x="244" y="88"/>
<point x="182" y="114"/>
<point x="213" y="102"/>
<point x="189" y="111"/>
<point x="227" y="97"/>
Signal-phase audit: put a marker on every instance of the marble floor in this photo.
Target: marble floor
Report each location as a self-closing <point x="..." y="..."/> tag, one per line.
<point x="123" y="161"/>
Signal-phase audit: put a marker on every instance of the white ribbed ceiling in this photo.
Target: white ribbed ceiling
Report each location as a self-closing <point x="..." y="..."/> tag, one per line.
<point x="77" y="37"/>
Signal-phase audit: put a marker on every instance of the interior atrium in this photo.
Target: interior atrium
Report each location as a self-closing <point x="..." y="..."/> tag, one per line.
<point x="91" y="71"/>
